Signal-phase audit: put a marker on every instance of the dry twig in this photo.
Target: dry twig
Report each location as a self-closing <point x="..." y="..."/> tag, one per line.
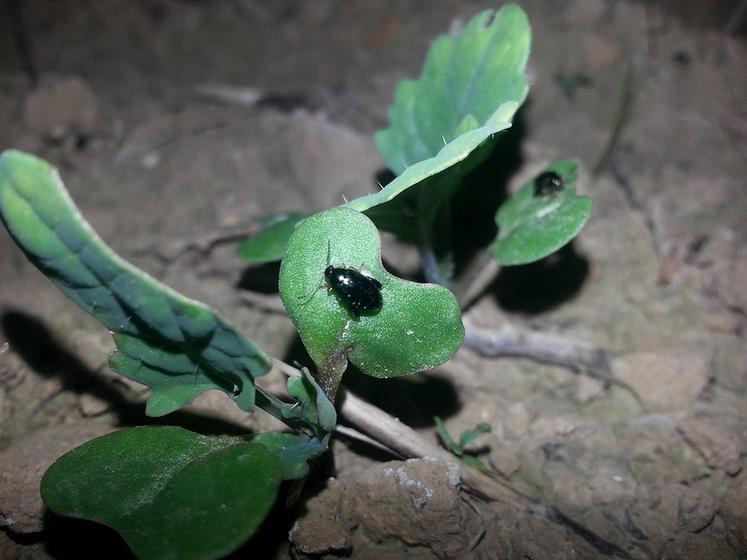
<point x="542" y="347"/>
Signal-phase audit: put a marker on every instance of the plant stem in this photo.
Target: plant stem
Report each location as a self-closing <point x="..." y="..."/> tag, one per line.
<point x="395" y="435"/>
<point x="479" y="275"/>
<point x="389" y="431"/>
<point x="430" y="265"/>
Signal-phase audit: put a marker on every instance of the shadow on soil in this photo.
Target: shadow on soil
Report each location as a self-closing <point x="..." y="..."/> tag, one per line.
<point x="482" y="191"/>
<point x="62" y="537"/>
<point x="35" y="344"/>
<point x="534" y="288"/>
<point x="543" y="285"/>
<point x="76" y="539"/>
<point x="260" y="278"/>
<point x="414" y="399"/>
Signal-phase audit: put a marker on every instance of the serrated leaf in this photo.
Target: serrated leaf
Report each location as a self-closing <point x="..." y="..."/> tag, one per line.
<point x="169" y="492"/>
<point x="177" y="346"/>
<point x="398" y="339"/>
<point x="467" y="75"/>
<point x="292" y="451"/>
<point x="268" y="244"/>
<point x="469" y="436"/>
<point x="471" y="86"/>
<point x="436" y="178"/>
<point x="532" y="225"/>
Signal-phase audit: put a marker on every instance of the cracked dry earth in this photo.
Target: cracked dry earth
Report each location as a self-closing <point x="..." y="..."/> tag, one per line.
<point x="648" y="465"/>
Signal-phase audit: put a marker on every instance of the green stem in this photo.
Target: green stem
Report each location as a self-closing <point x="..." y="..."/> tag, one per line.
<point x="480" y="274"/>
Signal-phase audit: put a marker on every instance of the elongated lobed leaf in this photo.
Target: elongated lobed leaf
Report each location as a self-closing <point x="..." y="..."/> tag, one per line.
<point x="169" y="492"/>
<point x="398" y="339"/>
<point x="175" y="345"/>
<point x="532" y="226"/>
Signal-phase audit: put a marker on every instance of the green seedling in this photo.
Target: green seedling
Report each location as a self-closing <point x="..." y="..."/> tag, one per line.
<point x="175" y="494"/>
<point x="571" y="83"/>
<point x="466" y="438"/>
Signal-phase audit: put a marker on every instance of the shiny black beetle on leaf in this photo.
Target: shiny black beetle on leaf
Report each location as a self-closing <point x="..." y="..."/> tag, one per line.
<point x="357" y="292"/>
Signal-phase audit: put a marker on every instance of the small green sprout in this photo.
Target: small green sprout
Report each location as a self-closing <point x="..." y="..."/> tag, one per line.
<point x="466" y="437"/>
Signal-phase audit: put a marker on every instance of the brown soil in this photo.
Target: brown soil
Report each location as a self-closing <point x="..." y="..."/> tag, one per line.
<point x="652" y="465"/>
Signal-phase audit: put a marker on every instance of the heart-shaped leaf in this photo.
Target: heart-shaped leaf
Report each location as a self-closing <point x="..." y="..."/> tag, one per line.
<point x="177" y="346"/>
<point x="268" y="244"/>
<point x="417" y="327"/>
<point x="169" y="492"/>
<point x="541" y="218"/>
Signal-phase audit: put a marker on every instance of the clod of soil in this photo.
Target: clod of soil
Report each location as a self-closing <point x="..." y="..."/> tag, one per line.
<point x="413" y="507"/>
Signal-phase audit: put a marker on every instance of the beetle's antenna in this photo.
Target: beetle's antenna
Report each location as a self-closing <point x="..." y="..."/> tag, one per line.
<point x="329" y="251"/>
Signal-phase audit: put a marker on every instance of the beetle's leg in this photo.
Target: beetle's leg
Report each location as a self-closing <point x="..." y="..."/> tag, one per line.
<point x="308" y="298"/>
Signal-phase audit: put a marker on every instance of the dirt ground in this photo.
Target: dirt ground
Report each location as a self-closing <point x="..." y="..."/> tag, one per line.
<point x="132" y="103"/>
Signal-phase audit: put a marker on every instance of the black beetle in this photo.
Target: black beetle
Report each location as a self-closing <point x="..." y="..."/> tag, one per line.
<point x="547" y="183"/>
<point x="357" y="292"/>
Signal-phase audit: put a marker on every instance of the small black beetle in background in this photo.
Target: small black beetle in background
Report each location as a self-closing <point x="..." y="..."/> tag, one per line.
<point x="548" y="182"/>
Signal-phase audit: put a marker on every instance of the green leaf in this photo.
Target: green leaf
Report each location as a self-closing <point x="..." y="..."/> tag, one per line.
<point x="532" y="226"/>
<point x="169" y="492"/>
<point x="471" y="86"/>
<point x="398" y="339"/>
<point x="465" y="439"/>
<point x="314" y="405"/>
<point x="177" y="346"/>
<point x="311" y="413"/>
<point x="293" y="451"/>
<point x="469" y="436"/>
<point x="268" y="244"/>
<point x="446" y="439"/>
<point x="465" y="79"/>
<point x="436" y="178"/>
